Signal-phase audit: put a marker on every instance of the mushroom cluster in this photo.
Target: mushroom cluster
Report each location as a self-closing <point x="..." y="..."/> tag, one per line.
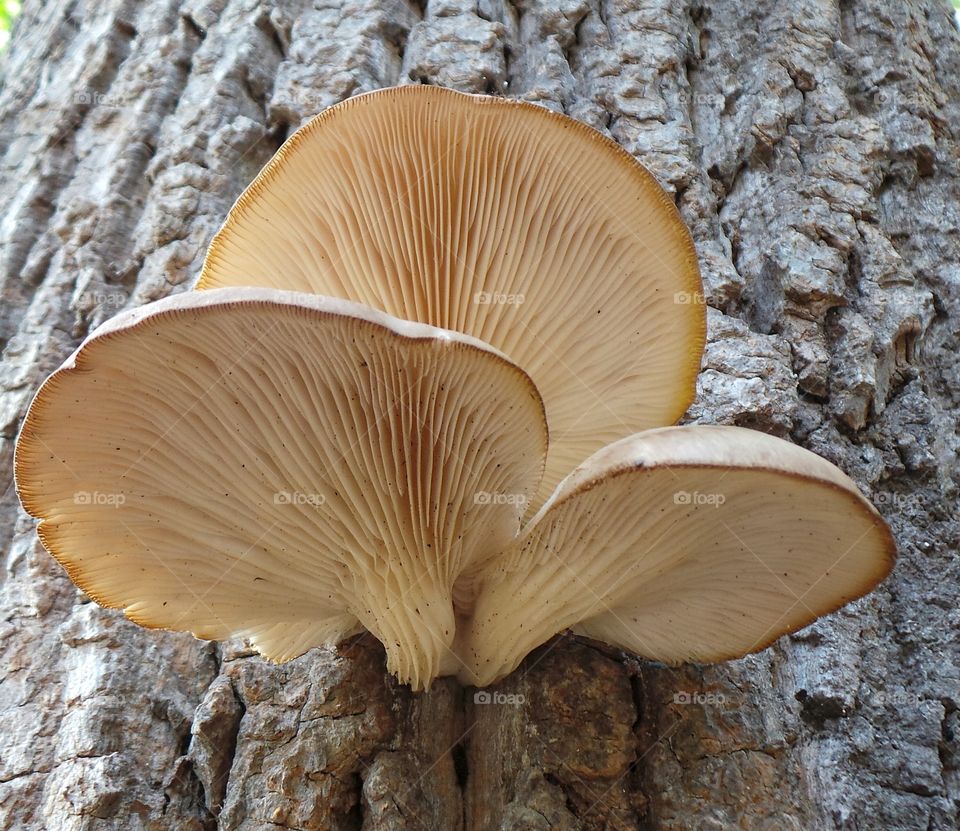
<point x="420" y="389"/>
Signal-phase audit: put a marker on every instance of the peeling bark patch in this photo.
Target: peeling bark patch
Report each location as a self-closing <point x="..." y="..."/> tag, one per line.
<point x="214" y="739"/>
<point x="559" y="730"/>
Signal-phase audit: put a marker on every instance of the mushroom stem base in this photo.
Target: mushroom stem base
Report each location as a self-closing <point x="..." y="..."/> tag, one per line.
<point x="416" y="629"/>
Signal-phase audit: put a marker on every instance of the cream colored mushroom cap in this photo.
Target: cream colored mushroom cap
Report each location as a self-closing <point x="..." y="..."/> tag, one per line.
<point x="283" y="467"/>
<point x="497" y="218"/>
<point x="698" y="543"/>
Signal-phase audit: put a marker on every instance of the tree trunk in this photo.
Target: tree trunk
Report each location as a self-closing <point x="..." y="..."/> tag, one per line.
<point x="813" y="150"/>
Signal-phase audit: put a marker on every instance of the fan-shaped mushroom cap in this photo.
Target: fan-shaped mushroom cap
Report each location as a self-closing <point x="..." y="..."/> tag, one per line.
<point x="250" y="462"/>
<point x="497" y="218"/>
<point x="681" y="544"/>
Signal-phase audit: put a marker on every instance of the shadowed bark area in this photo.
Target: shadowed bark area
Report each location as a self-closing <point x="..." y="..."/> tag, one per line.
<point x="812" y="147"/>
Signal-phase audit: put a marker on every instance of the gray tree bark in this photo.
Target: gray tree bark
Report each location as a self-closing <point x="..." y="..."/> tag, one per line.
<point x="814" y="150"/>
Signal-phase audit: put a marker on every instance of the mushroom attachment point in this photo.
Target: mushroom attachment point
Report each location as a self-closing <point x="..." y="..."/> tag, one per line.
<point x="283" y="467"/>
<point x="497" y="218"/>
<point x="699" y="544"/>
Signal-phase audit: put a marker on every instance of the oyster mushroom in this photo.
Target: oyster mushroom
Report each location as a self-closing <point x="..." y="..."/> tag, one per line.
<point x="497" y="218"/>
<point x="282" y="467"/>
<point x="700" y="543"/>
<point x="346" y="426"/>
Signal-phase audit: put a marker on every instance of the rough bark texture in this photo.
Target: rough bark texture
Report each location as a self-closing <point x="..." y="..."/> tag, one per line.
<point x="814" y="150"/>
